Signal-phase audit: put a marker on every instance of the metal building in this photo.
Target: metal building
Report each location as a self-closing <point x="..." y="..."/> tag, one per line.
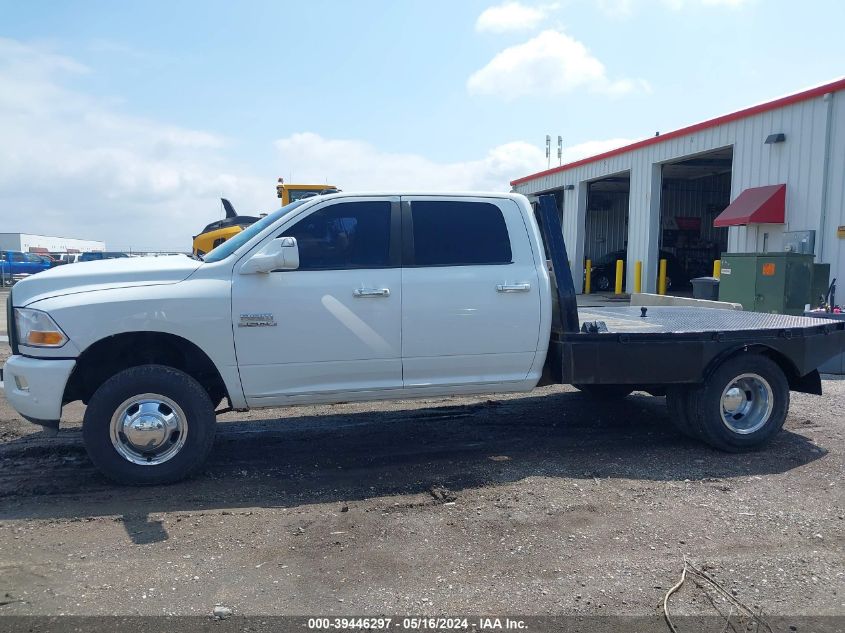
<point x="31" y="243"/>
<point x="742" y="182"/>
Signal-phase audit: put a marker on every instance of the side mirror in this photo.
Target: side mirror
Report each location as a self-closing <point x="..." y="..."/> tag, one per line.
<point x="281" y="253"/>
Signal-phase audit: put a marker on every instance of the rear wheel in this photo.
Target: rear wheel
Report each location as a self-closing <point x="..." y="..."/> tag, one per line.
<point x="741" y="405"/>
<point x="605" y="392"/>
<point x="149" y="425"/>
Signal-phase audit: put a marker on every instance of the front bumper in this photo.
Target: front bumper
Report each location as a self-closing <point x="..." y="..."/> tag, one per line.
<point x="35" y="387"/>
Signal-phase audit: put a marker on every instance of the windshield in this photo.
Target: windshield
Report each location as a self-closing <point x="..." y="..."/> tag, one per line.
<point x="230" y="246"/>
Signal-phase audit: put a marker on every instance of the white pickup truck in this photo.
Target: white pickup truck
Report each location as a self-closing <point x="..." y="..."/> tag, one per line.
<point x="352" y="297"/>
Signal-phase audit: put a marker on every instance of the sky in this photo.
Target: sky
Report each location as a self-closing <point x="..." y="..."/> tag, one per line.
<point x="126" y="122"/>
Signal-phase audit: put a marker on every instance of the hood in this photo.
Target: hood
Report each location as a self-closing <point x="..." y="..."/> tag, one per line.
<point x="105" y="274"/>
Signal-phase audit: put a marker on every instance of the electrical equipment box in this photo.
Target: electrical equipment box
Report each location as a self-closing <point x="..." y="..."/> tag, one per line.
<point x="781" y="283"/>
<point x="799" y="242"/>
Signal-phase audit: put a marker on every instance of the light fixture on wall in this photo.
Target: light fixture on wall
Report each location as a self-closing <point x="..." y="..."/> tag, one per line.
<point x="771" y="139"/>
<point x="568" y="187"/>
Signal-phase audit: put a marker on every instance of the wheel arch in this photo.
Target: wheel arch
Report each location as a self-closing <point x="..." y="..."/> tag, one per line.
<point x="809" y="383"/>
<point x="109" y="355"/>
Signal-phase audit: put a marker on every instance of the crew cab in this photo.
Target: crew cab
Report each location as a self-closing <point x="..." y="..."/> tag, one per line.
<point x="359" y="297"/>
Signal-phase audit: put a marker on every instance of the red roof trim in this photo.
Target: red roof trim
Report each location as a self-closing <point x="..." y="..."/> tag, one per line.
<point x="720" y="120"/>
<point x="756" y="205"/>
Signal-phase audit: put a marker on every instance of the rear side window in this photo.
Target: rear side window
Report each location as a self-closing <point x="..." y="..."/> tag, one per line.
<point x="344" y="235"/>
<point x="18" y="257"/>
<point x="453" y="233"/>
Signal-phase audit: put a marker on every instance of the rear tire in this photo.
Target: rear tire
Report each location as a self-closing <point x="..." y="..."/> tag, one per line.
<point x="677" y="401"/>
<point x="150" y="424"/>
<point x="741" y="405"/>
<point x="605" y="392"/>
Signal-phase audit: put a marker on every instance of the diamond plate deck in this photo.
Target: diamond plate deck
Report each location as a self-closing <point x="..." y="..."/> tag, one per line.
<point x="685" y="320"/>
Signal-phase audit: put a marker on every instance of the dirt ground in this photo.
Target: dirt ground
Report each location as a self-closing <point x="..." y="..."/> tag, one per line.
<point x="548" y="503"/>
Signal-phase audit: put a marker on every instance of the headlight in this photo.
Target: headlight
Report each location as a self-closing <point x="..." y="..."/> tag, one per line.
<point x="37" y="329"/>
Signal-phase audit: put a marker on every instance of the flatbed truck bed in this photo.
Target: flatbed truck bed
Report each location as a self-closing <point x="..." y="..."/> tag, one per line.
<point x="726" y="374"/>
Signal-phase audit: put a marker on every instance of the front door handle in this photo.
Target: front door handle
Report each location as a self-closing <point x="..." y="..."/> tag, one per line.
<point x="371" y="292"/>
<point x="513" y="287"/>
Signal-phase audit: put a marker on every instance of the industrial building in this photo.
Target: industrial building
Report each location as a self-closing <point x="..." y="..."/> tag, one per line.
<point x="749" y="181"/>
<point x="31" y="243"/>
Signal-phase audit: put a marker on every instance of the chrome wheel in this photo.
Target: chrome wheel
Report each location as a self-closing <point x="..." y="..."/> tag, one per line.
<point x="148" y="429"/>
<point x="747" y="403"/>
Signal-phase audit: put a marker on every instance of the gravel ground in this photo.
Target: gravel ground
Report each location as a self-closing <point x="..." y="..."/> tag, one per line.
<point x="547" y="503"/>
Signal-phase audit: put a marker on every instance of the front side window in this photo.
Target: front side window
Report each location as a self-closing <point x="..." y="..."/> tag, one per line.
<point x="344" y="235"/>
<point x="35" y="259"/>
<point x="231" y="245"/>
<point x="455" y="233"/>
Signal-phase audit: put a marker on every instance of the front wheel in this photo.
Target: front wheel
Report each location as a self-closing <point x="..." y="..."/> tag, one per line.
<point x="741" y="405"/>
<point x="149" y="425"/>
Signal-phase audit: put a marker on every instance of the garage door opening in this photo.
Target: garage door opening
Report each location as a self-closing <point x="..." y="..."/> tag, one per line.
<point x="695" y="190"/>
<point x="606" y="228"/>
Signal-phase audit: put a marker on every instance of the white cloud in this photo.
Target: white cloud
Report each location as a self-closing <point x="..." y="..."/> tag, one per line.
<point x="550" y="63"/>
<point x="357" y="165"/>
<point x="75" y="167"/>
<point x="511" y="16"/>
<point x="592" y="148"/>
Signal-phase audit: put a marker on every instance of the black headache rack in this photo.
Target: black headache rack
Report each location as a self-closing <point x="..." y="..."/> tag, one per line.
<point x="658" y="346"/>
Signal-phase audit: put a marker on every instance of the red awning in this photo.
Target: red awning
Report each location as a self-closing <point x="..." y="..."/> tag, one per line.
<point x="758" y="205"/>
<point x="38" y="249"/>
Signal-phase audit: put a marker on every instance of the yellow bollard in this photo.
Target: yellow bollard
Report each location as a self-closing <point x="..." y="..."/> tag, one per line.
<point x="588" y="277"/>
<point x="661" y="278"/>
<point x="638" y="277"/>
<point x="717" y="268"/>
<point x="620" y="270"/>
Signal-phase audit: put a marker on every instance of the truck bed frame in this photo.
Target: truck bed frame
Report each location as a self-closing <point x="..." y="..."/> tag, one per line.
<point x="654" y="347"/>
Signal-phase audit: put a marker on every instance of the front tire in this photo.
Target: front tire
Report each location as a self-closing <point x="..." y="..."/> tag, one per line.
<point x="741" y="405"/>
<point x="150" y="424"/>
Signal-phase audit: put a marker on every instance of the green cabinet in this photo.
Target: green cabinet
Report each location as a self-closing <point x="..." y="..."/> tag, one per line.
<point x="771" y="282"/>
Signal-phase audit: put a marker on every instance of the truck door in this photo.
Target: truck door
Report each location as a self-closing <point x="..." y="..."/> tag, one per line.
<point x="333" y="325"/>
<point x="470" y="292"/>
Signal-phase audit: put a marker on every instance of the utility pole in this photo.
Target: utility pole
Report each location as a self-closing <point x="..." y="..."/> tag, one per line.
<point x="559" y="150"/>
<point x="548" y="151"/>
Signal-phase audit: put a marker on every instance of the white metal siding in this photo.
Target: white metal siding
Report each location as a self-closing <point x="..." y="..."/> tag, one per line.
<point x="25" y="241"/>
<point x="798" y="162"/>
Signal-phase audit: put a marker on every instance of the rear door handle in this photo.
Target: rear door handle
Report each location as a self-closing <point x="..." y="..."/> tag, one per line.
<point x="513" y="287"/>
<point x="371" y="292"/>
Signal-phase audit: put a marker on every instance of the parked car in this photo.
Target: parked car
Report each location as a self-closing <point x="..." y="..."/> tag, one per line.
<point x="15" y="264"/>
<point x="603" y="272"/>
<point x="93" y="256"/>
<point x="70" y="258"/>
<point x="51" y="259"/>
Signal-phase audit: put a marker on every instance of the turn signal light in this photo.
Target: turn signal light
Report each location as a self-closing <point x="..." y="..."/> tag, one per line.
<point x="45" y="338"/>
